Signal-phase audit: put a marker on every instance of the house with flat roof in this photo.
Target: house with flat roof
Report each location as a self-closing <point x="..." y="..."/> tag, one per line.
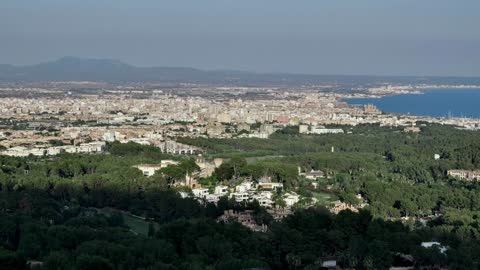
<point x="150" y="169"/>
<point x="240" y="196"/>
<point x="221" y="190"/>
<point x="200" y="193"/>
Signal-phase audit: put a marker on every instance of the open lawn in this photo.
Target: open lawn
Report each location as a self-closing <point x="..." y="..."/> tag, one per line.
<point x="324" y="197"/>
<point x="137" y="224"/>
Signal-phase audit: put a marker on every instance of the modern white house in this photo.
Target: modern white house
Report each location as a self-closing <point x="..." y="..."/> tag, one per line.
<point x="200" y="193"/>
<point x="212" y="198"/>
<point x="291" y="199"/>
<point x="240" y="196"/>
<point x="265" y="202"/>
<point x="150" y="169"/>
<point x="244" y="187"/>
<point x="221" y="190"/>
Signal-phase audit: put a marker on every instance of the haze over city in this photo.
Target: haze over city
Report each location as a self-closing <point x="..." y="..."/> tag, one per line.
<point x="371" y="37"/>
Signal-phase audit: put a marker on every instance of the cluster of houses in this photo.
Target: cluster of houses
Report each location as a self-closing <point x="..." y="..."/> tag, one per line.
<point x="248" y="191"/>
<point x="263" y="190"/>
<point x="465" y="174"/>
<point x="243" y="217"/>
<point x="165" y="145"/>
<point x="247" y="219"/>
<point x="206" y="169"/>
<point x="266" y="192"/>
<point x="85" y="148"/>
<point x="339" y="206"/>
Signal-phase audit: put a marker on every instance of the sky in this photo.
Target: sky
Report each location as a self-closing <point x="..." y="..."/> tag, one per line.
<point x="351" y="37"/>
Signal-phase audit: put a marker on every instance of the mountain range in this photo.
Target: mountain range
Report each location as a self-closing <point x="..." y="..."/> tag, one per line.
<point x="81" y="69"/>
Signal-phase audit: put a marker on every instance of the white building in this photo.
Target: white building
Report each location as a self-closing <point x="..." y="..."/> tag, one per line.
<point x="221" y="190"/>
<point x="17" y="151"/>
<point x="240" y="196"/>
<point x="263" y="201"/>
<point x="183" y="194"/>
<point x="52" y="151"/>
<point x="148" y="169"/>
<point x="438" y="245"/>
<point x="303" y="129"/>
<point x="323" y="130"/>
<point x="270" y="186"/>
<point x="108" y="137"/>
<point x="291" y="199"/>
<point x="20" y="151"/>
<point x="91" y="147"/>
<point x="167" y="162"/>
<point x="200" y="193"/>
<point x="259" y="135"/>
<point x="244" y="187"/>
<point x="212" y="198"/>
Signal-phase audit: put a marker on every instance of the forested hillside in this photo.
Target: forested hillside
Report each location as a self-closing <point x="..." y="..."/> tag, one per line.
<point x="53" y="208"/>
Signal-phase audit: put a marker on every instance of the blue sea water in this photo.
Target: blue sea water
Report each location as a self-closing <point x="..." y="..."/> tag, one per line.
<point x="434" y="102"/>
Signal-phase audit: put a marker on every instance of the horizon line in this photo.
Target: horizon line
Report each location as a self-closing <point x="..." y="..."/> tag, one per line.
<point x="236" y="70"/>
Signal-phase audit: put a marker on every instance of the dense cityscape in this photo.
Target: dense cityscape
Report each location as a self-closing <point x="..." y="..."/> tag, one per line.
<point x="239" y="135"/>
<point x="54" y="120"/>
<point x="83" y="122"/>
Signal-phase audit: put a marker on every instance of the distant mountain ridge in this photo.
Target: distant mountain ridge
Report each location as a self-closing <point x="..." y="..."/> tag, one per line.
<point x="81" y="69"/>
<point x="74" y="68"/>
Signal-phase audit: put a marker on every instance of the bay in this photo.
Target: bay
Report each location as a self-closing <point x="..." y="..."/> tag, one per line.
<point x="433" y="102"/>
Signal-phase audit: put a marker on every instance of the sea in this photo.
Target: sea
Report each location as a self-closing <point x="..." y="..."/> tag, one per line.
<point x="433" y="102"/>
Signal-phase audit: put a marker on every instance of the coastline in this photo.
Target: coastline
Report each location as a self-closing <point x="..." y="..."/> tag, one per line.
<point x="431" y="105"/>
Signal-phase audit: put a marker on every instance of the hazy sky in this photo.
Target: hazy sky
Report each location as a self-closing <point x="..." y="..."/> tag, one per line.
<point x="380" y="37"/>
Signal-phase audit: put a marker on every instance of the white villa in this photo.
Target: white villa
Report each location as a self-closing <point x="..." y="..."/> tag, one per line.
<point x="150" y="169"/>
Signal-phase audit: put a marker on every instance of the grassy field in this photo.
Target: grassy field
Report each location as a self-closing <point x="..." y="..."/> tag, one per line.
<point x="255" y="159"/>
<point x="138" y="225"/>
<point x="324" y="197"/>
